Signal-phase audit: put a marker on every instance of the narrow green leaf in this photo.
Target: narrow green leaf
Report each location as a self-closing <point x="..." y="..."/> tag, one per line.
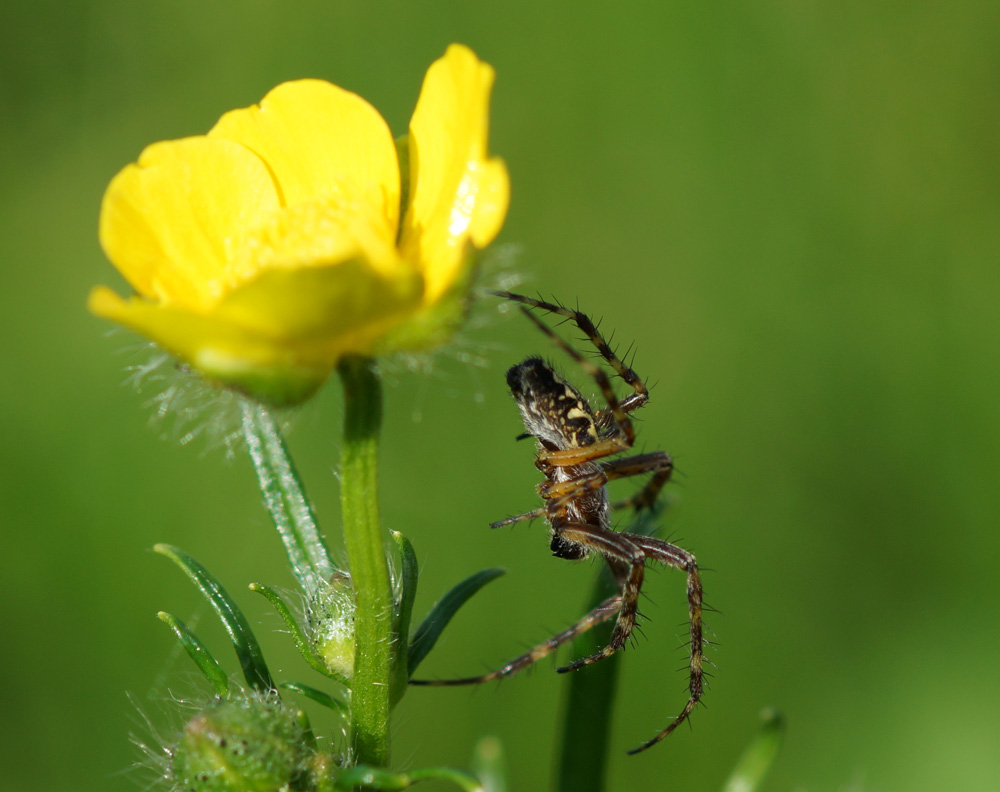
<point x="389" y="781"/>
<point x="757" y="759"/>
<point x="589" y="707"/>
<point x="430" y="629"/>
<point x="198" y="652"/>
<point x="295" y="629"/>
<point x="318" y="696"/>
<point x="244" y="641"/>
<point x="405" y="596"/>
<point x="408" y="586"/>
<point x="285" y="499"/>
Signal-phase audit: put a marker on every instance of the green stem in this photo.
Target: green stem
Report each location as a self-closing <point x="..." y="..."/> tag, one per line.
<point x="365" y="542"/>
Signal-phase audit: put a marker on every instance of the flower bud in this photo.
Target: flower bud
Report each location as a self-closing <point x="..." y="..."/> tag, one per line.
<point x="330" y="616"/>
<point x="251" y="745"/>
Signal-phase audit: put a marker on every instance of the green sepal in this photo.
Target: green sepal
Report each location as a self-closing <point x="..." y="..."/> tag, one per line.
<point x="199" y="653"/>
<point x="319" y="696"/>
<point x="390" y="781"/>
<point x="431" y="627"/>
<point x="248" y="651"/>
<point x="285" y="499"/>
<point x="759" y="755"/>
<point x="295" y="630"/>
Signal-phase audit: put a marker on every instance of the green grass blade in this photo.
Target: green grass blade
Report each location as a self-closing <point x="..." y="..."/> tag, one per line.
<point x="285" y="499"/>
<point x="431" y="627"/>
<point x="757" y="759"/>
<point x="248" y="651"/>
<point x="589" y="708"/>
<point x="197" y="651"/>
<point x="489" y="765"/>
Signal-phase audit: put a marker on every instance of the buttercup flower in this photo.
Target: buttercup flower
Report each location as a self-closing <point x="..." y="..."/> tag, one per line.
<point x="268" y="249"/>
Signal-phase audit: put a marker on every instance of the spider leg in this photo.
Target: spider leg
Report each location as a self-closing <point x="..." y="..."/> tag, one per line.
<point x="583" y="322"/>
<point x="658" y="463"/>
<point x="627" y="561"/>
<point x="588" y="328"/>
<point x="602" y="613"/>
<point x="534" y="514"/>
<point x="672" y="555"/>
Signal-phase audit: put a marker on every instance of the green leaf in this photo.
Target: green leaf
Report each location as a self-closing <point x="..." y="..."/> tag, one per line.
<point x="757" y="759"/>
<point x="295" y="629"/>
<point x="244" y="641"/>
<point x="285" y="499"/>
<point x="197" y="651"/>
<point x="406" y="594"/>
<point x="408" y="586"/>
<point x="319" y="696"/>
<point x="389" y="781"/>
<point x="430" y="629"/>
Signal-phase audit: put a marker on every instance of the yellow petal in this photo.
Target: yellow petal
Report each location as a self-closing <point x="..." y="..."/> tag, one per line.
<point x="168" y="222"/>
<point x="278" y="336"/>
<point x="324" y="312"/>
<point x="317" y="139"/>
<point x="456" y="194"/>
<point x="492" y="200"/>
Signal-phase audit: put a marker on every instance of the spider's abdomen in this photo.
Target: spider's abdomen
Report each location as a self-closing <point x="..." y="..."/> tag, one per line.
<point x="553" y="410"/>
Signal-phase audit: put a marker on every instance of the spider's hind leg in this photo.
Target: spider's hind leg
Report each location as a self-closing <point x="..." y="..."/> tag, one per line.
<point x="627" y="562"/>
<point x="672" y="555"/>
<point x="602" y="613"/>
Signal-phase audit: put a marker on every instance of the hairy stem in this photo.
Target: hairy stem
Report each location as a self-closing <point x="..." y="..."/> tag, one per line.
<point x="365" y="542"/>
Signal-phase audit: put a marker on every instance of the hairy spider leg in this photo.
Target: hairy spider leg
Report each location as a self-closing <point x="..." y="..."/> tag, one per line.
<point x="607" y="610"/>
<point x="584" y="323"/>
<point x="658" y="463"/>
<point x="589" y="329"/>
<point x="623" y="554"/>
<point x="679" y="558"/>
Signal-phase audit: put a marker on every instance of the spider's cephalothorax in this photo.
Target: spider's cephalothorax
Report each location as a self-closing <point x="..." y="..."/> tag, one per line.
<point x="575" y="444"/>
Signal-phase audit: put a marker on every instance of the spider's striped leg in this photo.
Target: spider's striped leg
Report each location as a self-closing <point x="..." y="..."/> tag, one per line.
<point x="658" y="463"/>
<point x="588" y="328"/>
<point x="534" y="514"/>
<point x="616" y="407"/>
<point x="627" y="560"/>
<point x="602" y="613"/>
<point x="672" y="555"/>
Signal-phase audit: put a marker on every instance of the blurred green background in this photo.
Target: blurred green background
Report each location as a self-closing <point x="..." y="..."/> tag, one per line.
<point x="793" y="208"/>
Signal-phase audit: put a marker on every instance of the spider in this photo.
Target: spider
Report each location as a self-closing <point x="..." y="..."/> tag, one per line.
<point x="575" y="446"/>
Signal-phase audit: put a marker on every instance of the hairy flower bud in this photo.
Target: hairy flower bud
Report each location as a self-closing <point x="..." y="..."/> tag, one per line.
<point x="251" y="745"/>
<point x="330" y="625"/>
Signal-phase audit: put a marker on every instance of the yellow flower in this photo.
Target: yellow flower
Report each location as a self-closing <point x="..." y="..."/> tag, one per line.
<point x="268" y="249"/>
